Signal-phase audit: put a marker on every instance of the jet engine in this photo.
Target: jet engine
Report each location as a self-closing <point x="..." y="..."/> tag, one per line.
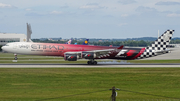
<point x="71" y="57"/>
<point x="88" y="55"/>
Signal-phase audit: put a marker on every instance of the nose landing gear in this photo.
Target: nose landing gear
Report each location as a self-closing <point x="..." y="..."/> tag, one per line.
<point x="15" y="58"/>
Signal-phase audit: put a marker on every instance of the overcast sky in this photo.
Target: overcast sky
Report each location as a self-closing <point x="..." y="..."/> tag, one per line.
<point x="90" y="18"/>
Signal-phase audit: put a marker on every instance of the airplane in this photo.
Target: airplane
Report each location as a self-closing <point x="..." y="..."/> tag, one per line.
<point x="69" y="42"/>
<point x="72" y="52"/>
<point x="84" y="43"/>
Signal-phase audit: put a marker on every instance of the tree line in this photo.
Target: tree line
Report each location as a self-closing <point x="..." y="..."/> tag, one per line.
<point x="130" y="43"/>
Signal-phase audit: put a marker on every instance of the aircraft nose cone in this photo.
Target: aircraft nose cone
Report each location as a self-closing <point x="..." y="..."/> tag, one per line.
<point x="2" y="47"/>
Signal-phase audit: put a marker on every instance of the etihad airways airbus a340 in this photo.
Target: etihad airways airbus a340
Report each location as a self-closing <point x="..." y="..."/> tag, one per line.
<point x="73" y="52"/>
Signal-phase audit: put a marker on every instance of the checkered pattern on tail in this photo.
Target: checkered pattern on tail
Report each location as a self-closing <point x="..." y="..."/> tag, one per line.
<point x="159" y="45"/>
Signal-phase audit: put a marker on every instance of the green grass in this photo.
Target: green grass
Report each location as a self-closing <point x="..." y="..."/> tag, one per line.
<point x="89" y="83"/>
<point x="10" y="56"/>
<point x="44" y="62"/>
<point x="155" y="61"/>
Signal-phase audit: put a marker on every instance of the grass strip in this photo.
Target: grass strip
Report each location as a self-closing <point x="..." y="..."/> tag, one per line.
<point x="69" y="84"/>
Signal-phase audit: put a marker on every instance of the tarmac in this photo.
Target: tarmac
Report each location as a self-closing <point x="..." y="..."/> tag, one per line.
<point x="174" y="54"/>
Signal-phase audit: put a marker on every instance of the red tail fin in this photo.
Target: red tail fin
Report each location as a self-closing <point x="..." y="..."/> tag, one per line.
<point x="120" y="47"/>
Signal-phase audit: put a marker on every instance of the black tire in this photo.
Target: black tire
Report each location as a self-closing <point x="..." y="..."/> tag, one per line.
<point x="92" y="63"/>
<point x="15" y="58"/>
<point x="89" y="62"/>
<point x="95" y="62"/>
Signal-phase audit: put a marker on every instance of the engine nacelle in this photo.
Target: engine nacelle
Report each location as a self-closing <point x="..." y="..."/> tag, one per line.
<point x="88" y="55"/>
<point x="71" y="57"/>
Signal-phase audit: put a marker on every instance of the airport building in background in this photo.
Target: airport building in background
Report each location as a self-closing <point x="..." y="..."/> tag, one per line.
<point x="11" y="37"/>
<point x="14" y="37"/>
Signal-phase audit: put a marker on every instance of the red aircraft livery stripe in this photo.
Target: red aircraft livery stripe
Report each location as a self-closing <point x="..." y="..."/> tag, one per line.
<point x="142" y="50"/>
<point x="131" y="52"/>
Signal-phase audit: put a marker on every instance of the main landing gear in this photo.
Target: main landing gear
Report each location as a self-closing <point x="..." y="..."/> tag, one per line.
<point x="92" y="62"/>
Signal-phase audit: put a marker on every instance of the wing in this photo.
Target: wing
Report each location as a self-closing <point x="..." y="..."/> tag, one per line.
<point x="94" y="54"/>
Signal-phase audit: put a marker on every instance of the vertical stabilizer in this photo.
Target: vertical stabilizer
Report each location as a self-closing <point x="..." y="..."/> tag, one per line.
<point x="29" y="32"/>
<point x="69" y="42"/>
<point x="86" y="42"/>
<point x="159" y="46"/>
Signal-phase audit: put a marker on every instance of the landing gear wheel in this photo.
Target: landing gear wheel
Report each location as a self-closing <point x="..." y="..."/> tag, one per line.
<point x="92" y="62"/>
<point x="15" y="58"/>
<point x="89" y="62"/>
<point x="95" y="62"/>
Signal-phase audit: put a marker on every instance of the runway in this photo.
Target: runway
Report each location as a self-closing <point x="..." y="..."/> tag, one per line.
<point x="89" y="66"/>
